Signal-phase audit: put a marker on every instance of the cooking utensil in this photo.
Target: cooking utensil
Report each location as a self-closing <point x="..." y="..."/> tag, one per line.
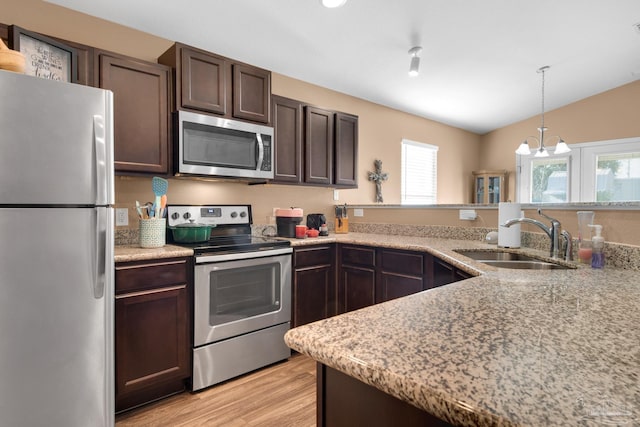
<point x="159" y="186"/>
<point x="139" y="210"/>
<point x="191" y="232"/>
<point x="163" y="205"/>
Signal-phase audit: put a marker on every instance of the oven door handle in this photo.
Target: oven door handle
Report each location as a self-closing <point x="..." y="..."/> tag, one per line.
<point x="203" y="259"/>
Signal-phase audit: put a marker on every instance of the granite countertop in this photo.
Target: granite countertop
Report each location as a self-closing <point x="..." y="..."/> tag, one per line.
<point x="507" y="348"/>
<point x="136" y="253"/>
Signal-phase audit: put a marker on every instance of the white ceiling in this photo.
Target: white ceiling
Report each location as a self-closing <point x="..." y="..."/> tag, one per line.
<point x="479" y="57"/>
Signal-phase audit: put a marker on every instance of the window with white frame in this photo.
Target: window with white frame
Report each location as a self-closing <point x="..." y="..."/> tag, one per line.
<point x="603" y="171"/>
<point x="419" y="173"/>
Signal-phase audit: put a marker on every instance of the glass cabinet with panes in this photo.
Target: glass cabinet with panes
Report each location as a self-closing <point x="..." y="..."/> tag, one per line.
<point x="489" y="186"/>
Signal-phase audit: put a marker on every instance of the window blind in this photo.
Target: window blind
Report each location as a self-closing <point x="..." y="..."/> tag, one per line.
<point x="419" y="173"/>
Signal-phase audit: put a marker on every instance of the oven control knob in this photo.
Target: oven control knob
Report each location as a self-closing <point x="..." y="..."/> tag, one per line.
<point x="175" y="215"/>
<point x="243" y="214"/>
<point x="234" y="214"/>
<point x="186" y="215"/>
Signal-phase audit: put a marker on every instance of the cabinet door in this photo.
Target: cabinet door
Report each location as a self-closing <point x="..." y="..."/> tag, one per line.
<point x="141" y="113"/>
<point x="401" y="274"/>
<point x="346" y="150"/>
<point x="441" y="273"/>
<point x="251" y="93"/>
<point x="151" y="341"/>
<point x="393" y="285"/>
<point x="356" y="288"/>
<point x="203" y="81"/>
<point x="287" y="124"/>
<point x="318" y="146"/>
<point x="313" y="295"/>
<point x="314" y="290"/>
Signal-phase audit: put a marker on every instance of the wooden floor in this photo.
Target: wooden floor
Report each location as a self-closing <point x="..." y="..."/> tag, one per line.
<point x="280" y="395"/>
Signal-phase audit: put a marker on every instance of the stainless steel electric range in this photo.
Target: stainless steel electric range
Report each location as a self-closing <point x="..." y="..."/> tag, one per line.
<point x="242" y="294"/>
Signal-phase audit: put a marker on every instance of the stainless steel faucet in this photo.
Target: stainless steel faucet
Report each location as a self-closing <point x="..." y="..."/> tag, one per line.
<point x="553" y="231"/>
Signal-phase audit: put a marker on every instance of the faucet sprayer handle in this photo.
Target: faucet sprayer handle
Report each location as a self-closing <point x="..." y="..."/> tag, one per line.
<point x="553" y="220"/>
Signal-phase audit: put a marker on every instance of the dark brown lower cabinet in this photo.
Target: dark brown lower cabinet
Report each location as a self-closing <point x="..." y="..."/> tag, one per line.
<point x="371" y="275"/>
<point x="356" y="278"/>
<point x="314" y="290"/>
<point x="443" y="273"/>
<point x="356" y="288"/>
<point x="152" y="330"/>
<point x="345" y="401"/>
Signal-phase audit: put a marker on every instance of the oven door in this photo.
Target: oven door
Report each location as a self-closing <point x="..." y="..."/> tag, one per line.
<point x="235" y="294"/>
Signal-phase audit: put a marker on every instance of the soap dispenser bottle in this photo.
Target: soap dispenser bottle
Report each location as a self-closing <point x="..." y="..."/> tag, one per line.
<point x="597" y="255"/>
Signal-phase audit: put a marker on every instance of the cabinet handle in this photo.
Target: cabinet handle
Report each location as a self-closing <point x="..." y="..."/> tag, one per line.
<point x="260" y="151"/>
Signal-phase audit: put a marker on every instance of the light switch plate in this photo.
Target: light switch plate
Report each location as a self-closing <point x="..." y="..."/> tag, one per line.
<point x="122" y="217"/>
<point x="336" y="195"/>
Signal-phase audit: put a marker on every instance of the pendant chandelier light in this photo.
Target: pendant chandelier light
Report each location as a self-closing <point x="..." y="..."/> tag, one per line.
<point x="541" y="151"/>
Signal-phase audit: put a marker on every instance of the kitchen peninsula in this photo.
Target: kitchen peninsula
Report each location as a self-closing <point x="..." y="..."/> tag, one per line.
<point x="508" y="347"/>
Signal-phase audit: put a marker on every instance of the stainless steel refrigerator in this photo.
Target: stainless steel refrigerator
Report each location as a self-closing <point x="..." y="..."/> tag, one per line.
<point x="56" y="253"/>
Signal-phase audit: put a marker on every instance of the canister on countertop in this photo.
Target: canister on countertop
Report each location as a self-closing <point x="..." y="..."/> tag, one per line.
<point x="508" y="237"/>
<point x="286" y="221"/>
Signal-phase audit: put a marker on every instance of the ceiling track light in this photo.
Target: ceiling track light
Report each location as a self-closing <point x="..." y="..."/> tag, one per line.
<point x="333" y="3"/>
<point x="541" y="151"/>
<point x="414" y="67"/>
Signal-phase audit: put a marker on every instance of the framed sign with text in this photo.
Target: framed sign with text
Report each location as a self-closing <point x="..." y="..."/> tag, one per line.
<point x="45" y="57"/>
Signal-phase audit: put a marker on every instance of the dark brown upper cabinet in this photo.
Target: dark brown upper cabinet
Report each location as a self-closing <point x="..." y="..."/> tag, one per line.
<point x="202" y="81"/>
<point x="251" y="93"/>
<point x="346" y="150"/>
<point x="213" y="84"/>
<point x="314" y="146"/>
<point x="288" y="127"/>
<point x="318" y="146"/>
<point x="141" y="112"/>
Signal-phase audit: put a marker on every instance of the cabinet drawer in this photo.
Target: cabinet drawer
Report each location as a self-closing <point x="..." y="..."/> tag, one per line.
<point x="312" y="256"/>
<point x="355" y="255"/>
<point x="136" y="276"/>
<point x="408" y="263"/>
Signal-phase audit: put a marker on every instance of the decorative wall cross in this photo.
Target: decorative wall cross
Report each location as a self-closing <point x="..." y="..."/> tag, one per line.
<point x="378" y="177"/>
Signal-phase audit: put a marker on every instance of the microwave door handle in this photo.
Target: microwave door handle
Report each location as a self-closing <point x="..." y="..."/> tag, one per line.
<point x="260" y="151"/>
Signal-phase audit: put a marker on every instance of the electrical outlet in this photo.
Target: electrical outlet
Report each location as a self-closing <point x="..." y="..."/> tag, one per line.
<point x="358" y="212"/>
<point x="336" y="195"/>
<point x="122" y="217"/>
<point x="468" y="214"/>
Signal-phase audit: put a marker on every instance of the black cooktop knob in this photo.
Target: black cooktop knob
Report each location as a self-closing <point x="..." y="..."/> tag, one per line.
<point x="175" y="215"/>
<point x="186" y="215"/>
<point x="234" y="214"/>
<point x="243" y="214"/>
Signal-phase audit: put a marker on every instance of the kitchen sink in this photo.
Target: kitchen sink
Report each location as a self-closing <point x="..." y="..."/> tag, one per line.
<point x="502" y="259"/>
<point x="495" y="255"/>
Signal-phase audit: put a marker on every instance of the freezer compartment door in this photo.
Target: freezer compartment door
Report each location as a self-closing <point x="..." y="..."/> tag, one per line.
<point x="57" y="142"/>
<point x="56" y="317"/>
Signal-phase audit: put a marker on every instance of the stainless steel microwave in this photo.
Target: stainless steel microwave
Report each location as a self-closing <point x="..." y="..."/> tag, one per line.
<point x="213" y="146"/>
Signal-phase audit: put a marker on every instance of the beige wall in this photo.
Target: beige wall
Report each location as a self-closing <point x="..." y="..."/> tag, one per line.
<point x="612" y="114"/>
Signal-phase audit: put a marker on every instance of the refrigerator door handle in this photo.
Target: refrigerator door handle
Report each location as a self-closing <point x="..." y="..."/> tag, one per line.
<point x="100" y="255"/>
<point x="99" y="140"/>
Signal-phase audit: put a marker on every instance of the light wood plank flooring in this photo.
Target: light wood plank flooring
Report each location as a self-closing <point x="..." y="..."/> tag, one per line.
<point x="281" y="395"/>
